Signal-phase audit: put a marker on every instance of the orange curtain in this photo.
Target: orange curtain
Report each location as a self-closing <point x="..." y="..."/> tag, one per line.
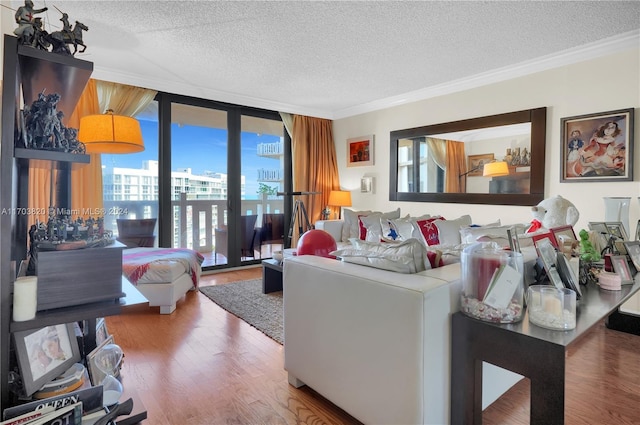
<point x="456" y="165"/>
<point x="86" y="179"/>
<point x="315" y="167"/>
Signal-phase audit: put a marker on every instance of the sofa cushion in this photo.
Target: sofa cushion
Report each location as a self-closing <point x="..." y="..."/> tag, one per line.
<point x="449" y="230"/>
<point x="408" y="256"/>
<point x="351" y="226"/>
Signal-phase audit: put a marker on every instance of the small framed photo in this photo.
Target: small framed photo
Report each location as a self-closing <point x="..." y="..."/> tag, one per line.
<point x="563" y="234"/>
<point x="95" y="374"/>
<point x="616" y="228"/>
<point x="44" y="354"/>
<point x="633" y="251"/>
<point x="542" y="236"/>
<point x="598" y="227"/>
<point x="360" y="151"/>
<point x="548" y="255"/>
<point x="621" y="267"/>
<point x="101" y="331"/>
<point x="475" y="163"/>
<point x="597" y="147"/>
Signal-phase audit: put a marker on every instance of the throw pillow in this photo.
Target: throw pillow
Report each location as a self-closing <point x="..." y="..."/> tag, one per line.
<point x="449" y="230"/>
<point x="429" y="231"/>
<point x="405" y="257"/>
<point x="360" y="230"/>
<point x="370" y="229"/>
<point x="350" y="222"/>
<point x="401" y="229"/>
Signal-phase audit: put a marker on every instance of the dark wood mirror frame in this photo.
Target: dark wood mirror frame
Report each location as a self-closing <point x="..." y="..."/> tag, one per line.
<point x="538" y="119"/>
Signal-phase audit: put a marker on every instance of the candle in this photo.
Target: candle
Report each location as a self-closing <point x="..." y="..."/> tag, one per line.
<point x="552" y="304"/>
<point x="25" y="291"/>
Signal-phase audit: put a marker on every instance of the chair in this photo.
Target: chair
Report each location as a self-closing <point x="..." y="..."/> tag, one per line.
<point x="272" y="230"/>
<point x="247" y="237"/>
<point x="136" y="232"/>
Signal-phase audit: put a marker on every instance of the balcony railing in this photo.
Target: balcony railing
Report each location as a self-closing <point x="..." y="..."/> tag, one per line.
<point x="271" y="149"/>
<point x="265" y="175"/>
<point x="194" y="221"/>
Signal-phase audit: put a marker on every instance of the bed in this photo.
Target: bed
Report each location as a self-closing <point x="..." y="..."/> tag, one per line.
<point x="162" y="275"/>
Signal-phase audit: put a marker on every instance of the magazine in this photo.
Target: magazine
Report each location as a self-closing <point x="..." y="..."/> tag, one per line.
<point x="29" y="416"/>
<point x="91" y="399"/>
<point x="68" y="415"/>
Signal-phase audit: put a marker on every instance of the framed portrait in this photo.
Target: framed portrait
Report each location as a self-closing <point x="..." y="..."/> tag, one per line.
<point x="44" y="354"/>
<point x="360" y="151"/>
<point x="95" y="374"/>
<point x="633" y="251"/>
<point x="597" y="147"/>
<point x="101" y="331"/>
<point x="616" y="228"/>
<point x="563" y="234"/>
<point x="475" y="163"/>
<point x="548" y="255"/>
<point x="542" y="236"/>
<point x="621" y="267"/>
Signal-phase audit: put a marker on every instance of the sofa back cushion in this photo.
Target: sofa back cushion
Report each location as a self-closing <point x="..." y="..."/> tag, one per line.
<point x="409" y="256"/>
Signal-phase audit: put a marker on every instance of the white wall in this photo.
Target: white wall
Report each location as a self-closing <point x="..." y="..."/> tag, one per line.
<point x="608" y="83"/>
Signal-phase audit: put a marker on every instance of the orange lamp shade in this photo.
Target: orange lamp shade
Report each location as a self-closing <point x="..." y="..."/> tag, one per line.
<point x="109" y="133"/>
<point x="495" y="169"/>
<point x="339" y="198"/>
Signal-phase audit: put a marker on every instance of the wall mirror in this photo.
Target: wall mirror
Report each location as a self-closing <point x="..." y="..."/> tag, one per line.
<point x="445" y="162"/>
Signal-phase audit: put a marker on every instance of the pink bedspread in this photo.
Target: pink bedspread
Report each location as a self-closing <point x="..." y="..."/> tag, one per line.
<point x="136" y="264"/>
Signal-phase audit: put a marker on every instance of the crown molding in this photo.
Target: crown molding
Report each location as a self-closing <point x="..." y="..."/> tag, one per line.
<point x="604" y="47"/>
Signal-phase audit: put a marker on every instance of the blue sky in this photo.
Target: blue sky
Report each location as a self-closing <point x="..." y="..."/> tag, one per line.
<point x="201" y="149"/>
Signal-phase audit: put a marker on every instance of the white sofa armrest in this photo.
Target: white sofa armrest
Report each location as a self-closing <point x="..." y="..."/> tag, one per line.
<point x="333" y="227"/>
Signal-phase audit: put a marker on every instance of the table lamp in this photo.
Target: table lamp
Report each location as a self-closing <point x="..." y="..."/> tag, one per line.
<point x="339" y="198"/>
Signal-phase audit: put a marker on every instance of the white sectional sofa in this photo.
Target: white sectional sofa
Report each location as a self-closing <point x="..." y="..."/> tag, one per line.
<point x="375" y="342"/>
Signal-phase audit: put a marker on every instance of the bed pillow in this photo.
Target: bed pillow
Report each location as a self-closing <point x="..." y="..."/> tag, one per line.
<point x="449" y="230"/>
<point x="405" y="257"/>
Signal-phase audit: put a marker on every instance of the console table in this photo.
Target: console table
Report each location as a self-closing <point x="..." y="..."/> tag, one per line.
<point x="526" y="349"/>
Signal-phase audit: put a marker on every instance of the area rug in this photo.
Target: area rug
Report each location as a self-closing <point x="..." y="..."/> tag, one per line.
<point x="245" y="300"/>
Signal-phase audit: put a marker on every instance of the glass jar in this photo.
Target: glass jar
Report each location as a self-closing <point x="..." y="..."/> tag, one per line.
<point x="492" y="284"/>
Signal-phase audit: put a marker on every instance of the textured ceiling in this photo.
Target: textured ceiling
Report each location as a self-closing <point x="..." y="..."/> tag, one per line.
<point x="327" y="58"/>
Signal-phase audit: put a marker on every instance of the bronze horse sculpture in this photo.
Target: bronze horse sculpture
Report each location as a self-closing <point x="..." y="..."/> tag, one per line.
<point x="60" y="39"/>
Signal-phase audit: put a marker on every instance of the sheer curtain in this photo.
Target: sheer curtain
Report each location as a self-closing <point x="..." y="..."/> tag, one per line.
<point x="315" y="167"/>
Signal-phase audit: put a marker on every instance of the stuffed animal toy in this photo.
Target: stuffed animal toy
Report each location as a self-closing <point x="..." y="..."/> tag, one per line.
<point x="553" y="212"/>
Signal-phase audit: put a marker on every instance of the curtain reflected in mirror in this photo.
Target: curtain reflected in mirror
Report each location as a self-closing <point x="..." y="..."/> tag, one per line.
<point x="445" y="162"/>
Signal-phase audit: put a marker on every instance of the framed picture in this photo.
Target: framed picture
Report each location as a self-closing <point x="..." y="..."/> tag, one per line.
<point x="563" y="234"/>
<point x="360" y="151"/>
<point x="621" y="267"/>
<point x="541" y="236"/>
<point x="95" y="374"/>
<point x="101" y="331"/>
<point x="638" y="231"/>
<point x="548" y="255"/>
<point x="475" y="163"/>
<point x="597" y="147"/>
<point x="633" y="251"/>
<point x="616" y="228"/>
<point x="598" y="227"/>
<point x="44" y="354"/>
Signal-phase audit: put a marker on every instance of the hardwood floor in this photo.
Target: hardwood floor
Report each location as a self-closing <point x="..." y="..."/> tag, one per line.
<point x="202" y="366"/>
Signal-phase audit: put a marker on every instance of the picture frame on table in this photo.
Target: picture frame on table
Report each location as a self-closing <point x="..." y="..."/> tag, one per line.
<point x="548" y="256"/>
<point x="541" y="236"/>
<point x="597" y="147"/>
<point x="102" y="333"/>
<point x="563" y="234"/>
<point x="476" y="163"/>
<point x="616" y="228"/>
<point x="95" y="374"/>
<point x="360" y="151"/>
<point x="621" y="267"/>
<point x="44" y="354"/>
<point x="633" y="251"/>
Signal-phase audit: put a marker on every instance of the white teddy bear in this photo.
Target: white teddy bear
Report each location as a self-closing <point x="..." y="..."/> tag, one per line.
<point x="553" y="212"/>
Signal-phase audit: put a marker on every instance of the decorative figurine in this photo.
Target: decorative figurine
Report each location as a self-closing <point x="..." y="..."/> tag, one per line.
<point x="42" y="127"/>
<point x="31" y="31"/>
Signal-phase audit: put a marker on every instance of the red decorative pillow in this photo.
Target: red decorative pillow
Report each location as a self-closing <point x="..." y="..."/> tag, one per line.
<point x="435" y="259"/>
<point x="429" y="230"/>
<point x="363" y="230"/>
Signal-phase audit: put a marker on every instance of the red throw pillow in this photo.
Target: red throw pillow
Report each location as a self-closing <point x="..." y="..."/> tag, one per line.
<point x="429" y="230"/>
<point x="435" y="259"/>
<point x="363" y="230"/>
